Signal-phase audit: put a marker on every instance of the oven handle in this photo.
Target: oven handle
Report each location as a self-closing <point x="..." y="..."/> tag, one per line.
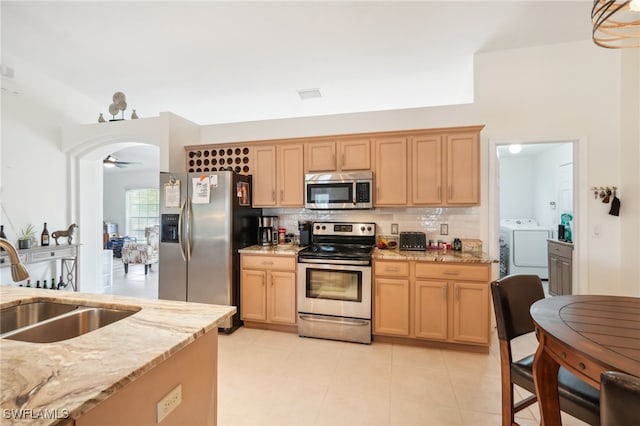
<point x="349" y="321"/>
<point x="334" y="261"/>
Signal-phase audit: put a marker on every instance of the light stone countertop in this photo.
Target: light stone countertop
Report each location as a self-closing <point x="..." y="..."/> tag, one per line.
<point x="433" y="256"/>
<point x="74" y="375"/>
<point x="279" y="250"/>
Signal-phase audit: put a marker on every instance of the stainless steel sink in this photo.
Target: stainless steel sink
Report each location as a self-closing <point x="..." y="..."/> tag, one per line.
<point x="47" y="322"/>
<point x="20" y="316"/>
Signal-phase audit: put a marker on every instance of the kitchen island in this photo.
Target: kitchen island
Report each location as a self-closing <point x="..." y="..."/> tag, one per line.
<point x="116" y="374"/>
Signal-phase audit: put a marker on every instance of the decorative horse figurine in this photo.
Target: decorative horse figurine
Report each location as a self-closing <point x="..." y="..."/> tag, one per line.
<point x="66" y="233"/>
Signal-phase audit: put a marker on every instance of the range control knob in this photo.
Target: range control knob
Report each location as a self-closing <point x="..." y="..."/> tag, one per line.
<point x="369" y="228"/>
<point x="362" y="228"/>
<point x="324" y="227"/>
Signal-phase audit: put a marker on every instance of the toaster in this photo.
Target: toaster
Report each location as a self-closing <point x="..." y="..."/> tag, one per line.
<point x="413" y="241"/>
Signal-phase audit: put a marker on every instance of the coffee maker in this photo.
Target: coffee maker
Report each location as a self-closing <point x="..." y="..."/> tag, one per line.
<point x="305" y="228"/>
<point x="268" y="230"/>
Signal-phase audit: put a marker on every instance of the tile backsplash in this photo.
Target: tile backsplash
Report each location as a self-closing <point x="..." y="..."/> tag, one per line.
<point x="463" y="222"/>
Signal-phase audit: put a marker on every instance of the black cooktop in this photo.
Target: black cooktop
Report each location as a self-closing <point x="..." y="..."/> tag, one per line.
<point x="336" y="251"/>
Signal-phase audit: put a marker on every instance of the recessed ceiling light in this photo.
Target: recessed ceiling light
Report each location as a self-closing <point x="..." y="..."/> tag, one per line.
<point x="309" y="94"/>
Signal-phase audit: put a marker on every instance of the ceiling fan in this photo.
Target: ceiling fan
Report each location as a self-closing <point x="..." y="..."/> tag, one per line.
<point x="112" y="161"/>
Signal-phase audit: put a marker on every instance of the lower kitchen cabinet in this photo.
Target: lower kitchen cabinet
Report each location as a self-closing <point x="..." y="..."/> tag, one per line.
<point x="560" y="256"/>
<point x="429" y="301"/>
<point x="268" y="289"/>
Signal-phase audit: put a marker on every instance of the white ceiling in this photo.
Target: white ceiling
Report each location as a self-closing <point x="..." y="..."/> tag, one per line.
<point x="216" y="62"/>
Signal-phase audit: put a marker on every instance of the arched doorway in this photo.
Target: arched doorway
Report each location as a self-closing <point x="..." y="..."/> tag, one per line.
<point x="86" y="181"/>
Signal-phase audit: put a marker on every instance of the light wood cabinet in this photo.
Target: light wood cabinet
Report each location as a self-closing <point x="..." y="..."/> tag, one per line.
<point x="390" y="170"/>
<point x="432" y="301"/>
<point x="268" y="289"/>
<point x="560" y="257"/>
<point x="445" y="169"/>
<point x="278" y="177"/>
<point x="341" y="155"/>
<point x="463" y="169"/>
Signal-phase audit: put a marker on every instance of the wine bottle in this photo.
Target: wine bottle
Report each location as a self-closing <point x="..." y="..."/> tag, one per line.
<point x="53" y="283"/>
<point x="38" y="284"/>
<point x="44" y="285"/>
<point x="44" y="237"/>
<point x="2" y="235"/>
<point x="60" y="283"/>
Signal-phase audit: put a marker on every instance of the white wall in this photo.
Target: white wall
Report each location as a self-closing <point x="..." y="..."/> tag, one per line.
<point x="115" y="186"/>
<point x="517" y="187"/>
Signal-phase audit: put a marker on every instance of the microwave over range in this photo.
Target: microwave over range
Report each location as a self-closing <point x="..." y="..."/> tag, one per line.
<point x="338" y="190"/>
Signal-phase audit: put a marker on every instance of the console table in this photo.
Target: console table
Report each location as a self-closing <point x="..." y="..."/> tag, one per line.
<point x="67" y="254"/>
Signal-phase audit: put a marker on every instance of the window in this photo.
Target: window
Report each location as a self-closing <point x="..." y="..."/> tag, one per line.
<point x="143" y="209"/>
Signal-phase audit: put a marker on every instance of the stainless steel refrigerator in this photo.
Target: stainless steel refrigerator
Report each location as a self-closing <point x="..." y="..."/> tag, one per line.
<point x="201" y="232"/>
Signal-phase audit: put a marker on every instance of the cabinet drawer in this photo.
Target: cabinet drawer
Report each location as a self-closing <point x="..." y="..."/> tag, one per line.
<point x="395" y="269"/>
<point x="54" y="253"/>
<point x="280" y="263"/>
<point x="448" y="271"/>
<point x="560" y="250"/>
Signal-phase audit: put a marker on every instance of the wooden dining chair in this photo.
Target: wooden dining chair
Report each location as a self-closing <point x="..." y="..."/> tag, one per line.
<point x="619" y="399"/>
<point x="513" y="296"/>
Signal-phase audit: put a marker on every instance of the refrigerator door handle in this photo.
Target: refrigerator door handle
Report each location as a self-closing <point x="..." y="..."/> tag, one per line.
<point x="180" y="231"/>
<point x="189" y="231"/>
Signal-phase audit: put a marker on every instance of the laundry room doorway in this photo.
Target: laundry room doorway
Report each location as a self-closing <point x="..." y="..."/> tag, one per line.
<point x="535" y="193"/>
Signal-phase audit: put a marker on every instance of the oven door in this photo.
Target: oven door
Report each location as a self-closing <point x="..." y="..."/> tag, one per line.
<point x="339" y="290"/>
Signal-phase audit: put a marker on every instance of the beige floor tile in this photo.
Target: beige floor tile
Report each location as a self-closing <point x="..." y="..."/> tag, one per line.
<point x="477" y="418"/>
<point x="422" y="385"/>
<point x="418" y="357"/>
<point x="352" y="409"/>
<point x="477" y="393"/>
<point x="423" y="413"/>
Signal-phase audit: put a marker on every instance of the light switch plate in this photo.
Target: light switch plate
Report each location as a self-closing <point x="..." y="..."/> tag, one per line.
<point x="394" y="228"/>
<point x="444" y="229"/>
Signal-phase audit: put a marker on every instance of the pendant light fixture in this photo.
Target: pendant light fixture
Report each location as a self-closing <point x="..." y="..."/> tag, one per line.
<point x="616" y="23"/>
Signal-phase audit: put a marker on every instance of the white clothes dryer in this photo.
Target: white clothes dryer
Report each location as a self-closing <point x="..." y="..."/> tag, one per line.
<point x="526" y="247"/>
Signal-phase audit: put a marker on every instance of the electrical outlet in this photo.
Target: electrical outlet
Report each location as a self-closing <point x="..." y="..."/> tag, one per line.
<point x="394" y="228"/>
<point x="169" y="403"/>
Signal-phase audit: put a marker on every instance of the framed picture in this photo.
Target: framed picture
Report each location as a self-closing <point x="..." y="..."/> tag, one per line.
<point x="242" y="192"/>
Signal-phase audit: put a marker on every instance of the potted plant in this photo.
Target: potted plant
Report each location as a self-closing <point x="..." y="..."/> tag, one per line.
<point x="26" y="238"/>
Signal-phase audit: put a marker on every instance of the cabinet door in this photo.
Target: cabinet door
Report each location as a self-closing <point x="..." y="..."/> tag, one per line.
<point x="554" y="276"/>
<point x="566" y="275"/>
<point x="426" y="170"/>
<point x="463" y="169"/>
<point x="282" y="297"/>
<point x="391" y="171"/>
<point x="430" y="309"/>
<point x="321" y="157"/>
<point x="264" y="176"/>
<point x="355" y="155"/>
<point x="470" y="312"/>
<point x="291" y="176"/>
<point x="253" y="295"/>
<point x="391" y="307"/>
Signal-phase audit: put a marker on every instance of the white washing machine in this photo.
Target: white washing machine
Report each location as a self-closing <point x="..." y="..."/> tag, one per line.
<point x="525" y="246"/>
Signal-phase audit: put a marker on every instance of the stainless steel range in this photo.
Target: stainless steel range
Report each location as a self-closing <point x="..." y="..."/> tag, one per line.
<point x="334" y="282"/>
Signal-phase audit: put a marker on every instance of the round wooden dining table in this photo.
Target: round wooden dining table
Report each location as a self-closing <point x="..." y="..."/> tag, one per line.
<point x="587" y="335"/>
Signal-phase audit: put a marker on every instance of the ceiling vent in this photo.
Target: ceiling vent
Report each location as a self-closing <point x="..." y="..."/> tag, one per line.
<point x="309" y="94"/>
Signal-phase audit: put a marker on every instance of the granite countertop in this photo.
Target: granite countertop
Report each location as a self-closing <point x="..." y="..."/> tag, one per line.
<point x="433" y="256"/>
<point x="279" y="250"/>
<point x="74" y="375"/>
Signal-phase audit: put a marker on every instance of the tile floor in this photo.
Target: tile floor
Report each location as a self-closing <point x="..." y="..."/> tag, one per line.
<point x="274" y="378"/>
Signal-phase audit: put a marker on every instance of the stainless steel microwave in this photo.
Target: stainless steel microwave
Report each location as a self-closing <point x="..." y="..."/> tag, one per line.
<point x="327" y="191"/>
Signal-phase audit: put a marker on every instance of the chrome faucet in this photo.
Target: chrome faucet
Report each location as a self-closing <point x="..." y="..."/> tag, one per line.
<point x="18" y="270"/>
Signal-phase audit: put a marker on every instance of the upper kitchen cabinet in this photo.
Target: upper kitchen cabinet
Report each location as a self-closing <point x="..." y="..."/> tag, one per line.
<point x="445" y="169"/>
<point x="278" y="176"/>
<point x="341" y="155"/>
<point x="390" y="171"/>
<point x="463" y="169"/>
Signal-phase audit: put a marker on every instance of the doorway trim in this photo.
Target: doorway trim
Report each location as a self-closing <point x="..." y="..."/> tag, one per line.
<point x="580" y="270"/>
